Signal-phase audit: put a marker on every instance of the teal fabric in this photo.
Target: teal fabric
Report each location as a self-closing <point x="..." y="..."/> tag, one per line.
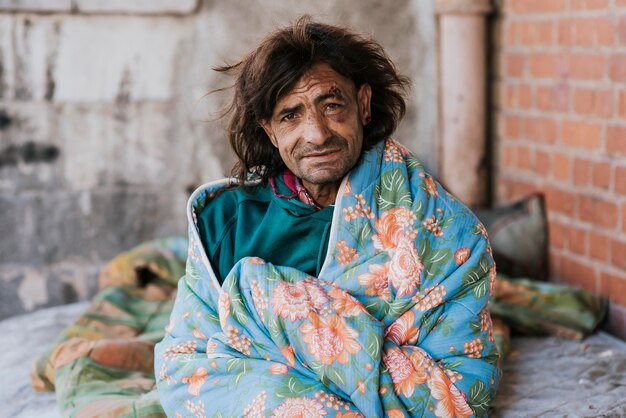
<point x="250" y="222"/>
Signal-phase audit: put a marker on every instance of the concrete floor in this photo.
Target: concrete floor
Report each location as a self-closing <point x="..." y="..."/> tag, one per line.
<point x="543" y="377"/>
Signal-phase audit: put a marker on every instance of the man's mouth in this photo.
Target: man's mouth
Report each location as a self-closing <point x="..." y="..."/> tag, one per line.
<point x="322" y="154"/>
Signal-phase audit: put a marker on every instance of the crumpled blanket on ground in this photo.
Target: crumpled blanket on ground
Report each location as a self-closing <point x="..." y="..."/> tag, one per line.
<point x="102" y="365"/>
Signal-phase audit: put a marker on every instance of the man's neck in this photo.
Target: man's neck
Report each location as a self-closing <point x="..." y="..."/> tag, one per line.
<point x="323" y="194"/>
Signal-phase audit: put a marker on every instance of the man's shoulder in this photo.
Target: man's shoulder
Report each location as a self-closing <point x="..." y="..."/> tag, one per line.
<point x="226" y="201"/>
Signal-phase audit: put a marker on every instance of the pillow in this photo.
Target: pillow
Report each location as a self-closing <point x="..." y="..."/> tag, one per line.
<point x="519" y="237"/>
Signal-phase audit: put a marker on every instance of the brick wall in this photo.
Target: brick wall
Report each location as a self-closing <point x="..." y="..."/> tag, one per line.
<point x="559" y="110"/>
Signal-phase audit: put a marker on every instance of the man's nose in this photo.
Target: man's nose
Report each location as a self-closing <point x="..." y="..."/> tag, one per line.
<point x="316" y="129"/>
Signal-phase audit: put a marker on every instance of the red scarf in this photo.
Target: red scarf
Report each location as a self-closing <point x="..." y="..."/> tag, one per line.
<point x="297" y="189"/>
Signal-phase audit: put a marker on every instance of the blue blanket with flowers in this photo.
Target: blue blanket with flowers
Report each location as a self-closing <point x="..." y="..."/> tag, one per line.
<point x="396" y="324"/>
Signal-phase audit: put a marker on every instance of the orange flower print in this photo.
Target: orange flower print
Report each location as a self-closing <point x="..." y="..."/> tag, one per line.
<point x="256" y="260"/>
<point x="223" y="308"/>
<point x="393" y="225"/>
<point x="405" y="268"/>
<point x="297" y="300"/>
<point x="196" y="380"/>
<point x="279" y="368"/>
<point x="299" y="407"/>
<point x="403" y="375"/>
<point x="346" y="254"/>
<point x="393" y="153"/>
<point x="395" y="413"/>
<point x="429" y="184"/>
<point x="256" y="408"/>
<point x="377" y="281"/>
<point x="430" y="299"/>
<point x="451" y="402"/>
<point x="344" y="304"/>
<point x="198" y="334"/>
<point x="461" y="255"/>
<point x="403" y="330"/>
<point x="330" y="339"/>
<point x="289" y="354"/>
<point x="473" y="348"/>
<point x="349" y="414"/>
<point x="348" y="189"/>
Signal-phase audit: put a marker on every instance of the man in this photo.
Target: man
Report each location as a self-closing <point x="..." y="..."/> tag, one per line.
<point x="334" y="276"/>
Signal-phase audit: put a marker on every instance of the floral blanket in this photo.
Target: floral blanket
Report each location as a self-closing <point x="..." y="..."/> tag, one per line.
<point x="396" y="324"/>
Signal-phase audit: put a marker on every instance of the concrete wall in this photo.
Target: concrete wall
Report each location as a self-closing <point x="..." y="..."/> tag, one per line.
<point x="103" y="121"/>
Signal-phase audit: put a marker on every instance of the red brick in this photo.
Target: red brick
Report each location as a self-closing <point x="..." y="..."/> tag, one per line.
<point x="584" y="101"/>
<point x="507" y="95"/>
<point x="512" y="127"/>
<point x="512" y="33"/>
<point x="618" y="254"/>
<point x="617" y="68"/>
<point x="577" y="240"/>
<point x="544" y="64"/>
<point x="561" y="167"/>
<point x="597" y="211"/>
<point x="542" y="163"/>
<point x="602" y="175"/>
<point x="622" y="104"/>
<point x="537" y="6"/>
<point x="620" y="180"/>
<point x="593" y="101"/>
<point x="584" y="31"/>
<point x="573" y="271"/>
<point x="621" y="2"/>
<point x="508" y="158"/>
<point x="542" y="32"/>
<point x="524" y="97"/>
<point x="586" y="66"/>
<point x="540" y="129"/>
<point x="566" y="32"/>
<point x="557" y="235"/>
<point x="598" y="246"/>
<point x="582" y="134"/>
<point x="621" y="30"/>
<point x="604" y="103"/>
<point x="551" y="98"/>
<point x="559" y="200"/>
<point x="624" y="217"/>
<point x="515" y="189"/>
<point x="605" y="31"/>
<point x="515" y="65"/>
<point x="524" y="158"/>
<point x="616" y="140"/>
<point x="582" y="172"/>
<point x="588" y="4"/>
<point x="614" y="286"/>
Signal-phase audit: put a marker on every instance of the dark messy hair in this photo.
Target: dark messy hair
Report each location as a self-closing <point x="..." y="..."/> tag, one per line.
<point x="271" y="71"/>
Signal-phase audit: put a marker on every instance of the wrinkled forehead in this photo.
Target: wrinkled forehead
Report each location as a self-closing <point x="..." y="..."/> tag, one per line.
<point x="320" y="80"/>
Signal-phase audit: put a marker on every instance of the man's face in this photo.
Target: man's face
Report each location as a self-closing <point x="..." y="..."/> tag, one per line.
<point x="318" y="127"/>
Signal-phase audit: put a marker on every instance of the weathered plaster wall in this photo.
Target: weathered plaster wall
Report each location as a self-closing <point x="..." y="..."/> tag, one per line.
<point x="103" y="121"/>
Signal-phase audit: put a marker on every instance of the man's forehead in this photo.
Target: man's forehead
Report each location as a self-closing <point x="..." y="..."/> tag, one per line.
<point x="320" y="80"/>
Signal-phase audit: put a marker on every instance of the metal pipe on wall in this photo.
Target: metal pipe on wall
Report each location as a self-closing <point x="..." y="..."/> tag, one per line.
<point x="462" y="98"/>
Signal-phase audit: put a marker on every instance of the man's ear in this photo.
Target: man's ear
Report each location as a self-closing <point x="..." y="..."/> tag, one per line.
<point x="267" y="127"/>
<point x="364" y="97"/>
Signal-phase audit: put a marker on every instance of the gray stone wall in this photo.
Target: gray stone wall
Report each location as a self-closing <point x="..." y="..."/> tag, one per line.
<point x="105" y="126"/>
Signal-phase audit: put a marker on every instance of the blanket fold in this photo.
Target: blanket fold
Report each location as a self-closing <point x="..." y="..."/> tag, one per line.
<point x="396" y="323"/>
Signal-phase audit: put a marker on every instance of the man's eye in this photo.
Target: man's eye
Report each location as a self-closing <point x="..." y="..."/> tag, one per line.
<point x="333" y="106"/>
<point x="288" y="117"/>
